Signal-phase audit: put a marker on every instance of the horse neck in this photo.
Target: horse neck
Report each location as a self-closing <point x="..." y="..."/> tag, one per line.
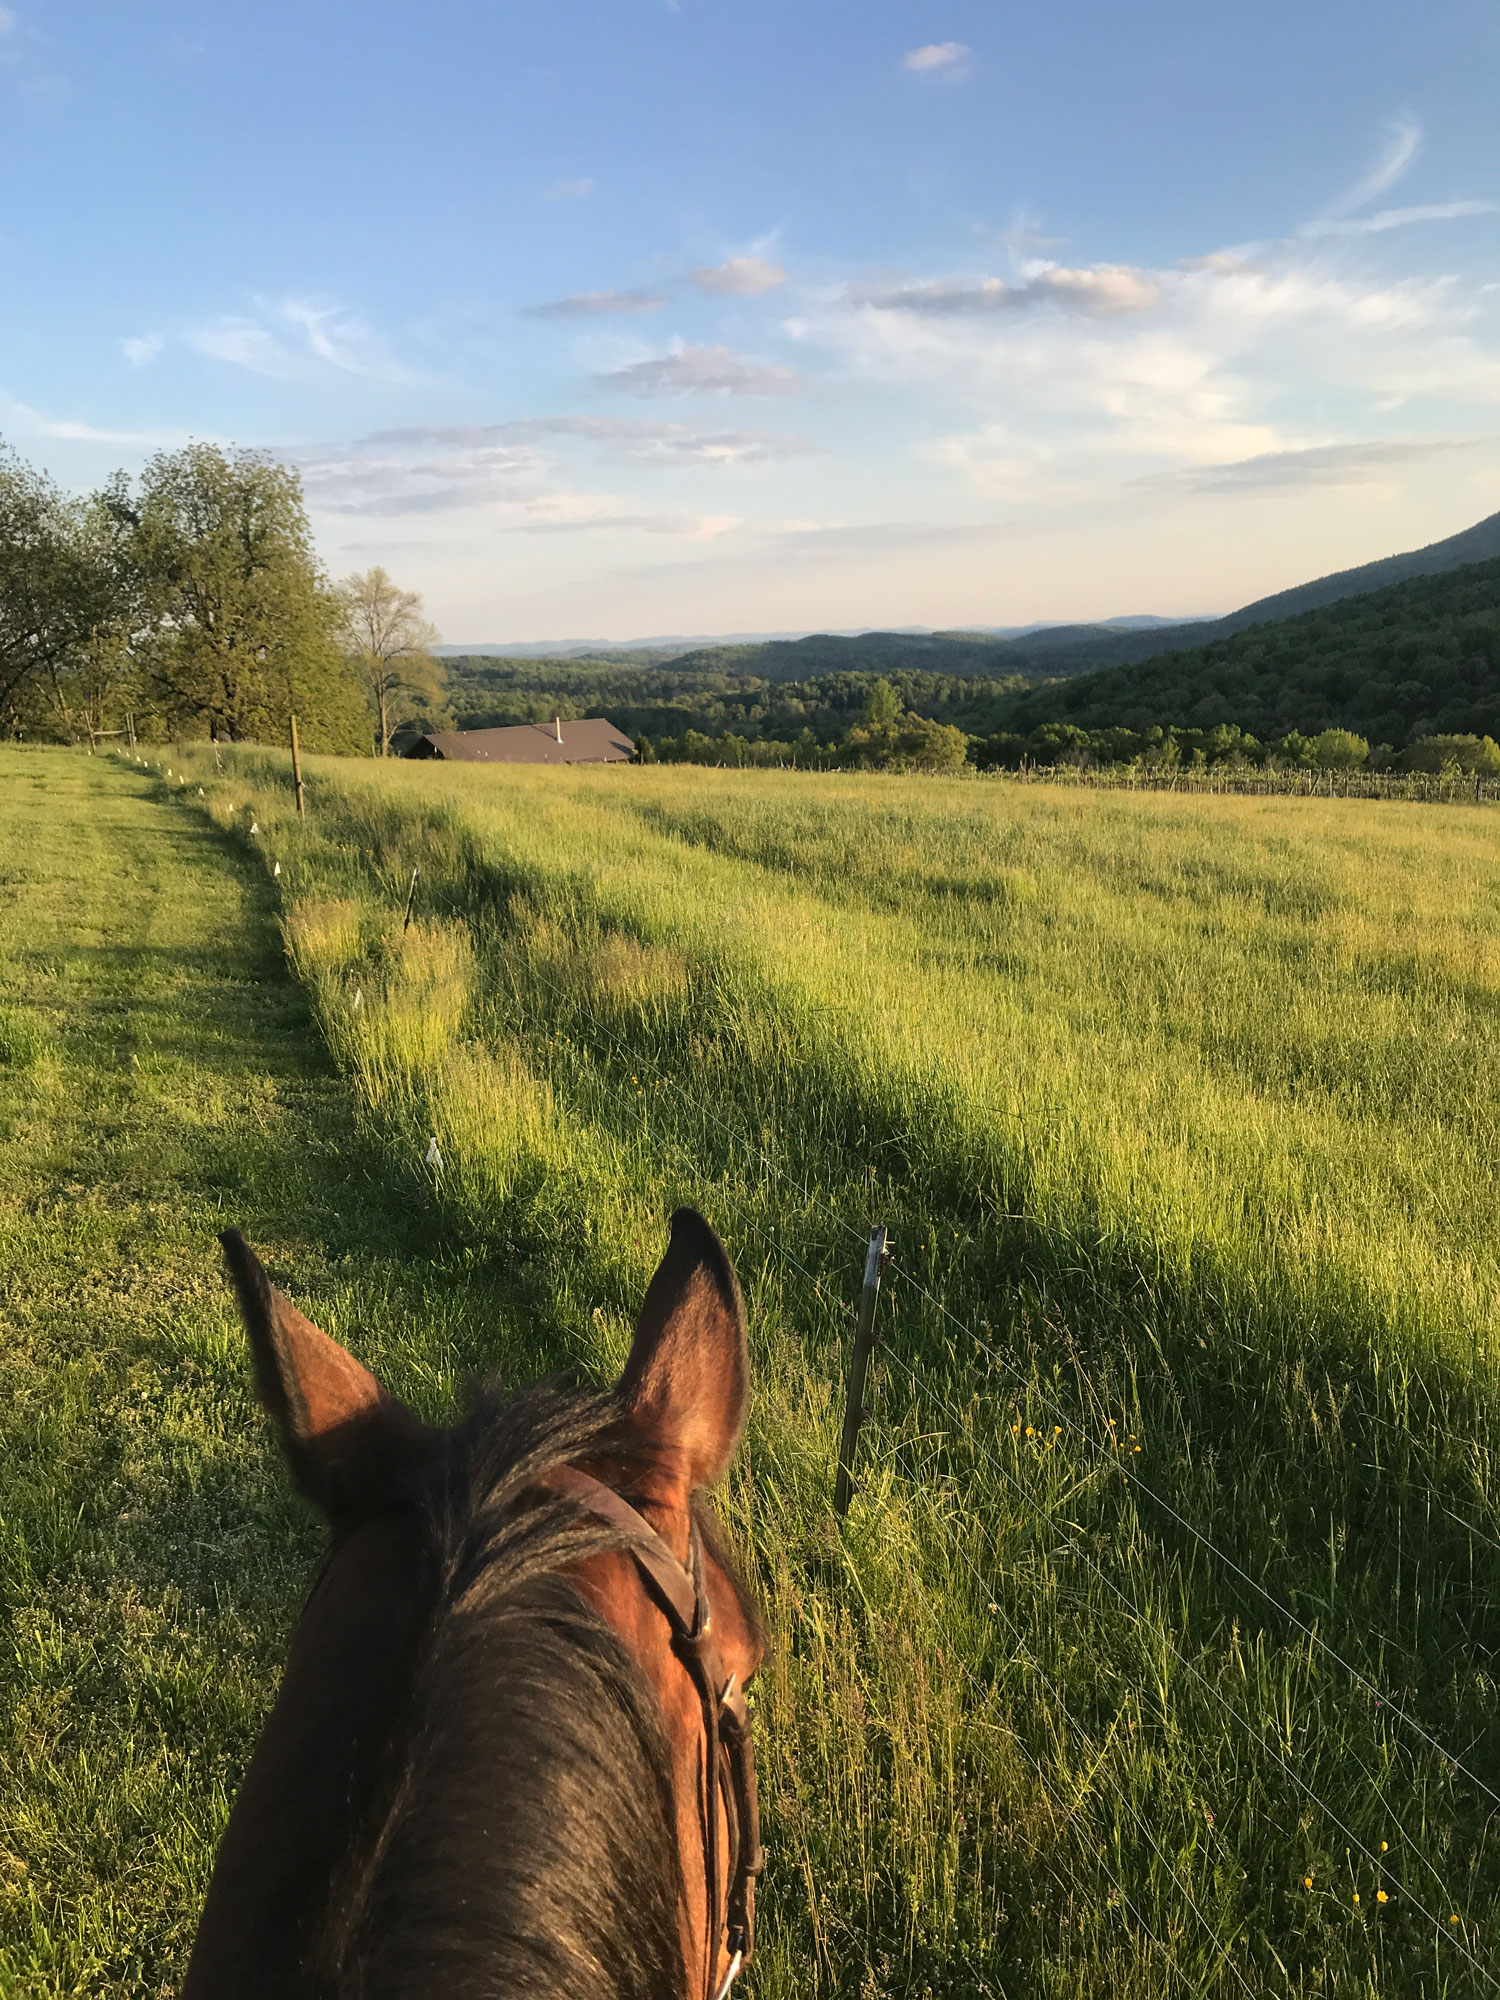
<point x="347" y="1678"/>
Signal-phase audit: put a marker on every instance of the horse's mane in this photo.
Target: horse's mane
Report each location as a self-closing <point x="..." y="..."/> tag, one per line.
<point x="522" y="1840"/>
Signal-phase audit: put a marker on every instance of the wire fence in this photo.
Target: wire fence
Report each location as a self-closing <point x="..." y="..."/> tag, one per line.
<point x="1451" y="788"/>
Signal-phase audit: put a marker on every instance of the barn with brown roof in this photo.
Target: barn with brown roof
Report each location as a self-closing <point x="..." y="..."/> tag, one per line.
<point x="591" y="740"/>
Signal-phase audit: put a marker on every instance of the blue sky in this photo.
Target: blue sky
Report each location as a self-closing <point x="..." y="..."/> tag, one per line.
<point x="658" y="316"/>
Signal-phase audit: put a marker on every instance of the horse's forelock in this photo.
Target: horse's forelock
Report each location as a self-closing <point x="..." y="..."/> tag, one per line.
<point x="522" y="1836"/>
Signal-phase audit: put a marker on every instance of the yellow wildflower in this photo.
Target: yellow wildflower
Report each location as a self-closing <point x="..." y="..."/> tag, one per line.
<point x="1381" y="1896"/>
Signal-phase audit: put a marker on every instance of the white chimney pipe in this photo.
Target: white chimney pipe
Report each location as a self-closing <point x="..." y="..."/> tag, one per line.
<point x="557" y="725"/>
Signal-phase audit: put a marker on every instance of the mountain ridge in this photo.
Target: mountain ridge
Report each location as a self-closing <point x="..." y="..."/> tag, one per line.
<point x="1044" y="649"/>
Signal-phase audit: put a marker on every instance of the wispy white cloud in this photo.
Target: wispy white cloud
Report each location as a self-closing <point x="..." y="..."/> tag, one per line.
<point x="445" y="468"/>
<point x="245" y="343"/>
<point x="510" y="488"/>
<point x="574" y="513"/>
<point x="627" y="439"/>
<point x="574" y="190"/>
<point x="1397" y="218"/>
<point x="142" y="348"/>
<point x="593" y="305"/>
<point x="1106" y="290"/>
<point x="945" y="59"/>
<point x="668" y="444"/>
<point x="8" y="21"/>
<point x="738" y="277"/>
<point x="1342" y="217"/>
<point x="701" y="371"/>
<point x="342" y="339"/>
<point x="1362" y="464"/>
<point x="1403" y="143"/>
<point x="292" y="339"/>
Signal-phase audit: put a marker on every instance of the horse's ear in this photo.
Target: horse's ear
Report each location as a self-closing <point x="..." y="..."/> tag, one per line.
<point x="344" y="1437"/>
<point x="686" y="1385"/>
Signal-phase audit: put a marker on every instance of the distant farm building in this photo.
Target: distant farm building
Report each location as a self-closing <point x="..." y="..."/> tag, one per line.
<point x="590" y="741"/>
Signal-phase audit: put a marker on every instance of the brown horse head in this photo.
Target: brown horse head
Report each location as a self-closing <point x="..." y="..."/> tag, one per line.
<point x="495" y="1763"/>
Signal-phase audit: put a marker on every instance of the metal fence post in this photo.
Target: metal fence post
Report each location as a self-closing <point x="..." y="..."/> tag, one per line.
<point x="297" y="771"/>
<point x="859" y="1366"/>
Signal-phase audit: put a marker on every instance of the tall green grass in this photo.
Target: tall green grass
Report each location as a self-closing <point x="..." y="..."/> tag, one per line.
<point x="1181" y="1113"/>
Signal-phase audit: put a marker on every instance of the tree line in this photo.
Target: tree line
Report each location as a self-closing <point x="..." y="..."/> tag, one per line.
<point x="893" y="738"/>
<point x="191" y="601"/>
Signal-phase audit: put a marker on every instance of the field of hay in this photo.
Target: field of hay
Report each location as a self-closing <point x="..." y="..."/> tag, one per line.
<point x="1157" y="1655"/>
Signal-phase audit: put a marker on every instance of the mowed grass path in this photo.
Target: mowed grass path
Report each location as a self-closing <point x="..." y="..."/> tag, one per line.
<point x="159" y="1078"/>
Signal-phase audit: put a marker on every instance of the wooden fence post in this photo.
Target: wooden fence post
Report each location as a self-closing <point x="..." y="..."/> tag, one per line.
<point x="297" y="771"/>
<point x="859" y="1366"/>
<point x="410" y="899"/>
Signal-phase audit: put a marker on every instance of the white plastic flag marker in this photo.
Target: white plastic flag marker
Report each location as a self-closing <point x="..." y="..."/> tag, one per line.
<point x="433" y="1158"/>
<point x="277" y="869"/>
<point x="255" y="826"/>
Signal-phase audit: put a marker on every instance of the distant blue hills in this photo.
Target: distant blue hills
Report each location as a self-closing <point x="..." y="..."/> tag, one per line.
<point x="1043" y="649"/>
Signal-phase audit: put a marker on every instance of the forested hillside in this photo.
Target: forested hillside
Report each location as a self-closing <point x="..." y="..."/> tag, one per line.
<point x="666" y="702"/>
<point x="1420" y="658"/>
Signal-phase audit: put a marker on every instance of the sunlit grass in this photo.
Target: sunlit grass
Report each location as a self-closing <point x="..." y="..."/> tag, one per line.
<point x="1179" y="1111"/>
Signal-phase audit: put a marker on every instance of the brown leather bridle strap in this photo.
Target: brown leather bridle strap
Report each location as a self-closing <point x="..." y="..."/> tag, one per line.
<point x="729" y="1768"/>
<point x="646" y="1545"/>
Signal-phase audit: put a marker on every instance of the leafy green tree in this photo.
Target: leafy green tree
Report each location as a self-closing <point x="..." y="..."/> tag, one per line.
<point x="882" y="706"/>
<point x="1474" y="755"/>
<point x="924" y="745"/>
<point x="96" y="683"/>
<point x="242" y="627"/>
<point x="1337" y="750"/>
<point x="59" y="593"/>
<point x="386" y="636"/>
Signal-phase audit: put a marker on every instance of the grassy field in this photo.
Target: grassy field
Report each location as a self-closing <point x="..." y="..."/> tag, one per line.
<point x="1168" y="1601"/>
